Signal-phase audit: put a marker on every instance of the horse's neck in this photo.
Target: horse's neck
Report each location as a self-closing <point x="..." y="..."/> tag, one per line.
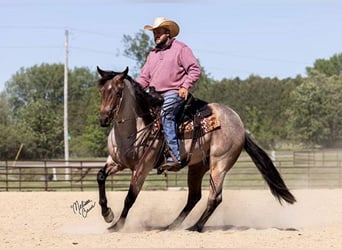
<point x="127" y="122"/>
<point x="125" y="118"/>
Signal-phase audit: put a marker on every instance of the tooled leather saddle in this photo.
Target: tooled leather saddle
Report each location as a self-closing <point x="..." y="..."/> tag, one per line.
<point x="195" y="118"/>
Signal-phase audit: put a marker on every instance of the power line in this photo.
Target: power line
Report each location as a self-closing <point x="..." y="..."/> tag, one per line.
<point x="93" y="50"/>
<point x="71" y="29"/>
<point x="232" y="54"/>
<point x="103" y="34"/>
<point x="31" y="27"/>
<point x="30" y="47"/>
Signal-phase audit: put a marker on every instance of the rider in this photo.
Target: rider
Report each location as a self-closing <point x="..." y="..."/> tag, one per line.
<point x="172" y="69"/>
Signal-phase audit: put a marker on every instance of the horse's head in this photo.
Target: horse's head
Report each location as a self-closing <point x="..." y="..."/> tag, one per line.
<point x="111" y="86"/>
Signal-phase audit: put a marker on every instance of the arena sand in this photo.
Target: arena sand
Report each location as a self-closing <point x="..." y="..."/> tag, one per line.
<point x="245" y="219"/>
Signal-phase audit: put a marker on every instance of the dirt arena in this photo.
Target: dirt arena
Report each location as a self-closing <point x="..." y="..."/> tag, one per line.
<point x="246" y="218"/>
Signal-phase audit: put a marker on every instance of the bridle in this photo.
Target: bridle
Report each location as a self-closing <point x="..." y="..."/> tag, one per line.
<point x="117" y="105"/>
<point x="113" y="114"/>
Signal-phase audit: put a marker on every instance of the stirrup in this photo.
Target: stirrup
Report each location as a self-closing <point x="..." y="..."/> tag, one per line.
<point x="169" y="165"/>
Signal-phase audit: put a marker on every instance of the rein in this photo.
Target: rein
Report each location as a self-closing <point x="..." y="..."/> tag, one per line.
<point x="139" y="166"/>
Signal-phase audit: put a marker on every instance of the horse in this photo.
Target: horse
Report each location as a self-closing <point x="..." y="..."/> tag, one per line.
<point x="135" y="142"/>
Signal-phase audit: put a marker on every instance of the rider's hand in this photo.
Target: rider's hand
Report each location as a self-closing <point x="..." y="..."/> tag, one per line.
<point x="183" y="92"/>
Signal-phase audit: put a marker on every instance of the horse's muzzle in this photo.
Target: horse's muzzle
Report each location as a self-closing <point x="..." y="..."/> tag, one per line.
<point x="104" y="120"/>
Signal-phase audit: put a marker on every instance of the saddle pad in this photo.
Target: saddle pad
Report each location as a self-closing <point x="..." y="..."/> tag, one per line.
<point x="208" y="124"/>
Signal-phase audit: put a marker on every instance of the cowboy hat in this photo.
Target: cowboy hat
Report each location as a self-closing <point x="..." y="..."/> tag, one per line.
<point x="163" y="22"/>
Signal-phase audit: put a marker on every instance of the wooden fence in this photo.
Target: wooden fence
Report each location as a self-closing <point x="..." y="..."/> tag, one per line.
<point x="300" y="169"/>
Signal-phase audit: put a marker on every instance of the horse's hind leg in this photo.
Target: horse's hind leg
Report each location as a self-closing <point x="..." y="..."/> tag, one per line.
<point x="106" y="212"/>
<point x="195" y="176"/>
<point x="214" y="199"/>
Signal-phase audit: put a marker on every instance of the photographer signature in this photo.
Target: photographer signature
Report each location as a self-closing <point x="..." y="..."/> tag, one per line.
<point x="83" y="208"/>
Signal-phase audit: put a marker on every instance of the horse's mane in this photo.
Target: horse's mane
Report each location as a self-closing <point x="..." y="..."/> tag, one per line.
<point x="146" y="102"/>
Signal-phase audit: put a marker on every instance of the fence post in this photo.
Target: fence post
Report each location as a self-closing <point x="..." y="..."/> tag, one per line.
<point x="167" y="180"/>
<point x="68" y="175"/>
<point x="6" y="166"/>
<point x="19" y="178"/>
<point x="46" y="177"/>
<point x="82" y="176"/>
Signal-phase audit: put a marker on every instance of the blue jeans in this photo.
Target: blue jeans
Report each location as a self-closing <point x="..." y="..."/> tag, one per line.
<point x="172" y="103"/>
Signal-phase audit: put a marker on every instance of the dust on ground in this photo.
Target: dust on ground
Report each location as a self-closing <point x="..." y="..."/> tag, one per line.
<point x="245" y="218"/>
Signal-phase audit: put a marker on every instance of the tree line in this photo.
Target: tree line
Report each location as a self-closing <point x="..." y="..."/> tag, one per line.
<point x="301" y="112"/>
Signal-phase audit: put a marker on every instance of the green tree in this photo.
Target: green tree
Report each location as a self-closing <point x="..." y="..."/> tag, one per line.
<point x="260" y="102"/>
<point x="35" y="97"/>
<point x="4" y="110"/>
<point x="92" y="141"/>
<point x="316" y="110"/>
<point x="330" y="67"/>
<point x="46" y="129"/>
<point x="137" y="48"/>
<point x="9" y="138"/>
<point x="44" y="82"/>
<point x="202" y="88"/>
<point x="82" y="89"/>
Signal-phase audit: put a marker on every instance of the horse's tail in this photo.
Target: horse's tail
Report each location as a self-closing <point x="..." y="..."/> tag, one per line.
<point x="268" y="171"/>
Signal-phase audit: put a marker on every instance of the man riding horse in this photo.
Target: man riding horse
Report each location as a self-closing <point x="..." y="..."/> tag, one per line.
<point x="172" y="69"/>
<point x="134" y="142"/>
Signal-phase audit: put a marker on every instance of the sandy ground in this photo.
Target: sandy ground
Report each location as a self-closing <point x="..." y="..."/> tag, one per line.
<point x="245" y="219"/>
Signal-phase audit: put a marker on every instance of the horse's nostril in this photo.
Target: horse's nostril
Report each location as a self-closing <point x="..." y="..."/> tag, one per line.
<point x="104" y="121"/>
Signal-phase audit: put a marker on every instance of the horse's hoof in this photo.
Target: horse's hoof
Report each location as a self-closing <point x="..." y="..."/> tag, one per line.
<point x="109" y="216"/>
<point x="172" y="227"/>
<point x="113" y="228"/>
<point x="194" y="228"/>
<point x="116" y="226"/>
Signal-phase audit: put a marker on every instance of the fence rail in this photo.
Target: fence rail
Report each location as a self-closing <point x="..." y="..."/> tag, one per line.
<point x="301" y="169"/>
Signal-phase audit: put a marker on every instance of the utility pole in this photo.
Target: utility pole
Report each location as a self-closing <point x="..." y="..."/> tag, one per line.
<point x="66" y="133"/>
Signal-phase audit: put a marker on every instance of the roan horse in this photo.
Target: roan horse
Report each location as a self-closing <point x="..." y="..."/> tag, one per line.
<point x="134" y="144"/>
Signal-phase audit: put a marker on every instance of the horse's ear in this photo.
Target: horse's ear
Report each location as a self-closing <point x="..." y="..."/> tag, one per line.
<point x="101" y="72"/>
<point x="121" y="76"/>
<point x="124" y="73"/>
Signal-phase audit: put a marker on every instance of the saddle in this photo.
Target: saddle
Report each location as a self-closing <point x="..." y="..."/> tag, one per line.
<point x="195" y="118"/>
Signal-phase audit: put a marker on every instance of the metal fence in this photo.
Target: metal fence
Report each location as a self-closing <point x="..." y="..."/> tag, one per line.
<point x="300" y="169"/>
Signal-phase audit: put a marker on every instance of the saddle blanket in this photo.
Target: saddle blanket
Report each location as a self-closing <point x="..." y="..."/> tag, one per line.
<point x="208" y="124"/>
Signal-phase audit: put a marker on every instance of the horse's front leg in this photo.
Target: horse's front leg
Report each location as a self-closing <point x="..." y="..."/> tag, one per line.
<point x="129" y="201"/>
<point x="134" y="189"/>
<point x="106" y="212"/>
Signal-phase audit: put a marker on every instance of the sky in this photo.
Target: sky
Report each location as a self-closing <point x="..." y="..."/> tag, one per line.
<point x="268" y="38"/>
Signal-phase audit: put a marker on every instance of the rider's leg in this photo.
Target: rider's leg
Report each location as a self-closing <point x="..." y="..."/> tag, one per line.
<point x="170" y="107"/>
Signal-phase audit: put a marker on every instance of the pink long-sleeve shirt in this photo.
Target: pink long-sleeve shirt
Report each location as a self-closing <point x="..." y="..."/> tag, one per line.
<point x="169" y="69"/>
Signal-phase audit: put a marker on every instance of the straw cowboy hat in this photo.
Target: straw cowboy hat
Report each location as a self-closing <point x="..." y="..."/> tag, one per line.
<point x="163" y="22"/>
